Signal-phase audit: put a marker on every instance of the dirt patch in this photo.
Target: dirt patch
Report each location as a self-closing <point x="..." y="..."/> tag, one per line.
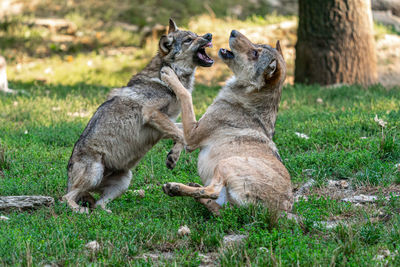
<point x="207" y="259"/>
<point x="338" y="193"/>
<point x="388" y="55"/>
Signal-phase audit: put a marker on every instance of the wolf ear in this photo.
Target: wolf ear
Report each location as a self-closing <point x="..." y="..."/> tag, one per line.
<point x="278" y="48"/>
<point x="165" y="44"/>
<point x="172" y="26"/>
<point x="270" y="69"/>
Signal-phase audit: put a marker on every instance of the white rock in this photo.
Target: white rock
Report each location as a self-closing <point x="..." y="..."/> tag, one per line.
<point x="332" y="183"/>
<point x="156" y="256"/>
<point x="360" y="199"/>
<point x="231" y="240"/>
<point x="140" y="193"/>
<point x="304" y="189"/>
<point x="93" y="246"/>
<point x="297" y="198"/>
<point x="330" y="224"/>
<point x="208" y="259"/>
<point x="379" y="257"/>
<point x="319" y="100"/>
<point x="383" y="254"/>
<point x="343" y="184"/>
<point x="301" y="135"/>
<point x="4" y="218"/>
<point x="386" y="252"/>
<point x="184" y="230"/>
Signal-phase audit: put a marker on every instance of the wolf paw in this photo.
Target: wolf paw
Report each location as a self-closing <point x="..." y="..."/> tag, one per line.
<point x="194" y="184"/>
<point x="107" y="210"/>
<point x="172" y="159"/>
<point x="103" y="207"/>
<point x="168" y="75"/>
<point x="171" y="189"/>
<point x="82" y="210"/>
<point x="87" y="201"/>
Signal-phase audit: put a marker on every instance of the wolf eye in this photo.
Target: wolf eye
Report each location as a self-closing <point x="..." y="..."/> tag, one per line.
<point x="255" y="53"/>
<point x="188" y="41"/>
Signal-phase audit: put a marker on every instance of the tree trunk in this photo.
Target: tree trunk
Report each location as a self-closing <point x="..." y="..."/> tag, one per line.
<point x="335" y="43"/>
<point x="24" y="202"/>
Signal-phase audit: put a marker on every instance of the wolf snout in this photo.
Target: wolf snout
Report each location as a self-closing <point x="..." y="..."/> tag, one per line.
<point x="234" y="33"/>
<point x="207" y="36"/>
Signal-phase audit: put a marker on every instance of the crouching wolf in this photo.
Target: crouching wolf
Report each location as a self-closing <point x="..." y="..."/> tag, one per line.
<point x="132" y="121"/>
<point x="238" y="161"/>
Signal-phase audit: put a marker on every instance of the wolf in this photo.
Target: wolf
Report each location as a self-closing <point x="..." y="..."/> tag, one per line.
<point x="132" y="120"/>
<point x="238" y="161"/>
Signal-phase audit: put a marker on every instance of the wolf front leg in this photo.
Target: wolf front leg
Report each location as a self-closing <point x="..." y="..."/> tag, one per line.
<point x="162" y="123"/>
<point x="193" y="133"/>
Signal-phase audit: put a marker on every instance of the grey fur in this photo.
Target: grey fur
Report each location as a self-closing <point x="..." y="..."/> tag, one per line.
<point x="132" y="120"/>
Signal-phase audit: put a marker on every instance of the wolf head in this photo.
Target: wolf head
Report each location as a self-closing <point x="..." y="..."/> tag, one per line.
<point x="184" y="49"/>
<point x="254" y="65"/>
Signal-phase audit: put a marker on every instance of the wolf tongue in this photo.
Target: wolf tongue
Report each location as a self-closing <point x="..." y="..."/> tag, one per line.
<point x="201" y="56"/>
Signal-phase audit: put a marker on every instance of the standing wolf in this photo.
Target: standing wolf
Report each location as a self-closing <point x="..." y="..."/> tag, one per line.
<point x="132" y="121"/>
<point x="238" y="161"/>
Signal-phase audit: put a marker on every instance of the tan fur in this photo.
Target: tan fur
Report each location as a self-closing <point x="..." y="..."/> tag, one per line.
<point x="131" y="122"/>
<point x="237" y="154"/>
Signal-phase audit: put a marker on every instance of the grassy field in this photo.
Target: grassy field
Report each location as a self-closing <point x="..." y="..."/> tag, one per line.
<point x="38" y="131"/>
<point x="66" y="82"/>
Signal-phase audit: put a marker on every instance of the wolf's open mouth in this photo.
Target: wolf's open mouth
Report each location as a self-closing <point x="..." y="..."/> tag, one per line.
<point x="226" y="54"/>
<point x="204" y="59"/>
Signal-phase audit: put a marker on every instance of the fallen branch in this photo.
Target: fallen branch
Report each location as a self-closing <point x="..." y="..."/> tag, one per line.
<point x="24" y="202"/>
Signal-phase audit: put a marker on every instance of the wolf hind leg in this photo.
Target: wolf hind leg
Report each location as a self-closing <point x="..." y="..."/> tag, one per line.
<point x="114" y="186"/>
<point x="210" y="204"/>
<point x="211" y="191"/>
<point x="82" y="179"/>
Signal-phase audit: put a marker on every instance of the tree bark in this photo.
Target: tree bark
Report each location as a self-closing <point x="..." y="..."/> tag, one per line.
<point x="24" y="202"/>
<point x="335" y="43"/>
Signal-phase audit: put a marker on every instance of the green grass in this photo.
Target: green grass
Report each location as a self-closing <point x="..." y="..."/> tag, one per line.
<point x="38" y="131"/>
<point x="67" y="81"/>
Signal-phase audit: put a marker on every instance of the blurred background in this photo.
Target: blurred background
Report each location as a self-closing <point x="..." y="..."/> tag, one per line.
<point x="103" y="42"/>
